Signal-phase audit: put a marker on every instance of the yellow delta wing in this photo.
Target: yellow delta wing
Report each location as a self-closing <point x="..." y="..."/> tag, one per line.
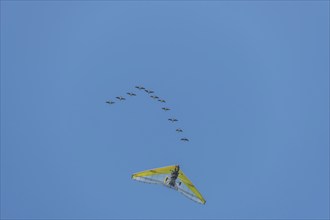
<point x="191" y="191"/>
<point x="156" y="171"/>
<point x="159" y="176"/>
<point x="156" y="176"/>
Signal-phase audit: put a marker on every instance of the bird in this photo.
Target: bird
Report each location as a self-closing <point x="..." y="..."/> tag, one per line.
<point x="120" y="98"/>
<point x="184" y="139"/>
<point x="110" y="102"/>
<point x="131" y="94"/>
<point x="173" y="119"/>
<point x="179" y="130"/>
<point x="161" y="100"/>
<point x="149" y="91"/>
<point x="140" y="87"/>
<point x="166" y="109"/>
<point x="154" y="97"/>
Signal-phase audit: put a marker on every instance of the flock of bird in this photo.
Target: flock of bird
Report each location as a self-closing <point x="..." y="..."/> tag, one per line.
<point x="148" y="91"/>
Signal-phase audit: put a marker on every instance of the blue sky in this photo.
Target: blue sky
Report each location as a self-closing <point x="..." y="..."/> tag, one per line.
<point x="248" y="81"/>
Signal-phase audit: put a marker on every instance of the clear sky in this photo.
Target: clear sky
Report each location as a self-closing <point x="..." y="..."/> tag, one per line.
<point x="248" y="81"/>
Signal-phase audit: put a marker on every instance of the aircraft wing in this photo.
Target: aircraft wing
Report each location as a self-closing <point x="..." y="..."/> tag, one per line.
<point x="189" y="190"/>
<point x="156" y="175"/>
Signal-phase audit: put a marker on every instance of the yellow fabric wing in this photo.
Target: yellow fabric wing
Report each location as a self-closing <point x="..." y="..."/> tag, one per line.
<point x="191" y="191"/>
<point x="156" y="171"/>
<point x="159" y="176"/>
<point x="155" y="176"/>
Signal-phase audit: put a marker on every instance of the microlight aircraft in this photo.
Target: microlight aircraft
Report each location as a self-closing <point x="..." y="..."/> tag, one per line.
<point x="173" y="178"/>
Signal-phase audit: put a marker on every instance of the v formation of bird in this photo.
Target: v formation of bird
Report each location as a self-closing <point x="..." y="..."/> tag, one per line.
<point x="149" y="92"/>
<point x="169" y="176"/>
